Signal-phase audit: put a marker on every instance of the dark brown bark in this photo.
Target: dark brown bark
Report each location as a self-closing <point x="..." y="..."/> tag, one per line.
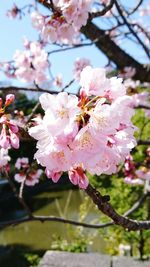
<point x="103" y="205"/>
<point x="114" y="52"/>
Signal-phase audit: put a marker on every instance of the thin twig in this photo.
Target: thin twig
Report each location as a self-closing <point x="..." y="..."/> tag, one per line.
<point x="103" y="11"/>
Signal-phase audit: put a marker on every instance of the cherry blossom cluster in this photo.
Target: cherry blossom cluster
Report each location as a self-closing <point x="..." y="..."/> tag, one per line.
<point x="32" y="63"/>
<point x="64" y="24"/>
<point x="133" y="176"/>
<point x="9" y="129"/>
<point x="26" y="174"/>
<point x="29" y="65"/>
<point x="92" y="132"/>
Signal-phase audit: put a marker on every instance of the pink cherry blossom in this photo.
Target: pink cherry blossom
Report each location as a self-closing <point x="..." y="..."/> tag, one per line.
<point x="64" y="25"/>
<point x="9" y="99"/>
<point x="31" y="65"/>
<point x="78" y="177"/>
<point x="79" y="134"/>
<point x="27" y="174"/>
<point x="128" y="72"/>
<point x="58" y="82"/>
<point x="4" y="157"/>
<point x="79" y="65"/>
<point x="22" y="163"/>
<point x="9" y="133"/>
<point x="55" y="176"/>
<point x="93" y="81"/>
<point x="135" y="181"/>
<point x="143" y="173"/>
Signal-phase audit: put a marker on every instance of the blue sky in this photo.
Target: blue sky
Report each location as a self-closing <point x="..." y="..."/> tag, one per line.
<point x="12" y="32"/>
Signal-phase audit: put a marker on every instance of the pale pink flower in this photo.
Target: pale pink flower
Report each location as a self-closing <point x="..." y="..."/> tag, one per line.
<point x="22" y="163"/>
<point x="58" y="81"/>
<point x="93" y="81"/>
<point x="78" y="134"/>
<point x="30" y="179"/>
<point x="4" y="157"/>
<point x="20" y="177"/>
<point x="129" y="83"/>
<point x="115" y="88"/>
<point x="141" y="99"/>
<point x="79" y="65"/>
<point x="27" y="175"/>
<point x="60" y="112"/>
<point x="128" y="72"/>
<point x="143" y="174"/>
<point x="55" y="158"/>
<point x="32" y="64"/>
<point x="135" y="181"/>
<point x="63" y="28"/>
<point x="103" y="118"/>
<point x="37" y="20"/>
<point x="33" y="177"/>
<point x="49" y="33"/>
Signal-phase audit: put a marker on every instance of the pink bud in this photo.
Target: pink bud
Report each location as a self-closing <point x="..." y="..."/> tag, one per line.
<point x="13" y="127"/>
<point x="55" y="176"/>
<point x="14" y="140"/>
<point x="4" y="139"/>
<point x="73" y="176"/>
<point x="9" y="99"/>
<point x="77" y="176"/>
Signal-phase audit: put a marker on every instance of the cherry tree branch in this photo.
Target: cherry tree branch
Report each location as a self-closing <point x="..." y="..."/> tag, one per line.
<point x="114" y="52"/>
<point x="103" y="11"/>
<point x="102" y="199"/>
<point x="52" y="219"/>
<point x="20" y="199"/>
<point x="103" y="205"/>
<point x="135" y="8"/>
<point x="131" y="29"/>
<point x="143" y="142"/>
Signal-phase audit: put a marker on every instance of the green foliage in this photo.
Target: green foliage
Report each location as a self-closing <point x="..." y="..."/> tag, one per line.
<point x="32" y="259"/>
<point x="76" y="245"/>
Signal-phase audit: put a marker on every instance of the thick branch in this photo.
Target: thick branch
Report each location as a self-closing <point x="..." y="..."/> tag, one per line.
<point x="114" y="52"/>
<point x="143" y="142"/>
